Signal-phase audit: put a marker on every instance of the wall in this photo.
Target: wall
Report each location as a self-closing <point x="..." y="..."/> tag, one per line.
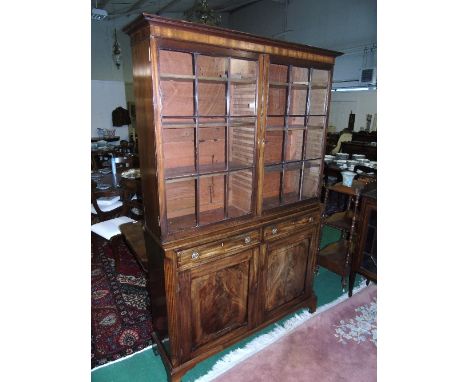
<point x="344" y="25"/>
<point x="105" y="97"/>
<point x="359" y="102"/>
<point x="110" y="87"/>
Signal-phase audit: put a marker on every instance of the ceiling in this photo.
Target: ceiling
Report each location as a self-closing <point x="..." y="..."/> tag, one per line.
<point x="118" y="8"/>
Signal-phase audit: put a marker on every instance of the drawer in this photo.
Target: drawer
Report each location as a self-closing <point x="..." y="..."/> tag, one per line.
<point x="292" y="225"/>
<point x="203" y="252"/>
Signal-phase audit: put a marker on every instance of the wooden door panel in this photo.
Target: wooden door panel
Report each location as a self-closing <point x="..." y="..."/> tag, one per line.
<point x="286" y="272"/>
<point x="219" y="302"/>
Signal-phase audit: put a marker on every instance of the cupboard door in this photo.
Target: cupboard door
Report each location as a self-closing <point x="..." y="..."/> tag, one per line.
<point x="218" y="295"/>
<point x="286" y="271"/>
<point x="209" y="128"/>
<point x="297" y="109"/>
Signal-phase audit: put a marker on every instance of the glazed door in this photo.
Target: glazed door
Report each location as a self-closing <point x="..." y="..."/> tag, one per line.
<point x="217" y="301"/>
<point x="287" y="272"/>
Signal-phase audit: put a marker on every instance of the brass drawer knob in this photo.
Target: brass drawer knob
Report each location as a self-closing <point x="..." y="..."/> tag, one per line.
<point x="247" y="240"/>
<point x="274" y="230"/>
<point x="195" y="255"/>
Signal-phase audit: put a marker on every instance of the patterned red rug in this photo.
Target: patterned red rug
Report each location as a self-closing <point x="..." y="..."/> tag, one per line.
<point x="120" y="311"/>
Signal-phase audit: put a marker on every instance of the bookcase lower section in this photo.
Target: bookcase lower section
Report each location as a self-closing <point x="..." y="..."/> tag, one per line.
<point x="175" y="373"/>
<point x="209" y="294"/>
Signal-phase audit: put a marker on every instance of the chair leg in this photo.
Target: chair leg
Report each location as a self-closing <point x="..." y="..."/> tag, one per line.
<point x="114" y="241"/>
<point x="94" y="246"/>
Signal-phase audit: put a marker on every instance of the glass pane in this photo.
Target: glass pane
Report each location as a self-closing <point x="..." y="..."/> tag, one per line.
<point x="177" y="97"/>
<point x="294" y="147"/>
<point x="296" y="122"/>
<point x="320" y="78"/>
<point x="271" y="186"/>
<point x="212" y="67"/>
<point x="211" y="98"/>
<point x="240" y="193"/>
<point x="278" y="74"/>
<point x="315" y="132"/>
<point x="241" y="142"/>
<point x="175" y="63"/>
<point x="212" y="148"/>
<point x="311" y="179"/>
<point x="243" y="69"/>
<point x="180" y="204"/>
<point x="300" y="75"/>
<point x="292" y="176"/>
<point x="318" y="101"/>
<point x="273" y="146"/>
<point x="179" y="149"/>
<point x="211" y="198"/>
<point x="298" y="100"/>
<point x="277" y="100"/>
<point x="243" y="98"/>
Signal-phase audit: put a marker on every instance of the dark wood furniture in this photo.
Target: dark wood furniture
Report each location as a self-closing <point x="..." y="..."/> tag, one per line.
<point x="365" y="257"/>
<point x="105" y="213"/>
<point x="134" y="237"/>
<point x="231" y="134"/>
<point x="100" y="158"/>
<point x="337" y="256"/>
<point x="369" y="150"/>
<point x="107" y="223"/>
<point x="364" y="136"/>
<point x="107" y="139"/>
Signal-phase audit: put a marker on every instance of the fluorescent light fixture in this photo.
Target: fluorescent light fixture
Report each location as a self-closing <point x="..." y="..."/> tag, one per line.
<point x="98" y="14"/>
<point x="354" y="89"/>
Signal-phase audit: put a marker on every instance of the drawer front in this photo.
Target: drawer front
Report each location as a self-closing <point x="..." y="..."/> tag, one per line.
<point x="292" y="225"/>
<point x="198" y="254"/>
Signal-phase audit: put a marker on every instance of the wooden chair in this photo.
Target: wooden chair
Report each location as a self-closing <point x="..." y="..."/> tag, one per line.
<point x="128" y="208"/>
<point x="133" y="199"/>
<point x="107" y="208"/>
<point x="110" y="231"/>
<point x="105" y="204"/>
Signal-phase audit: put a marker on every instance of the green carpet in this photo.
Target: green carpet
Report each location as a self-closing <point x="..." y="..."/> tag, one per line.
<point x="146" y="367"/>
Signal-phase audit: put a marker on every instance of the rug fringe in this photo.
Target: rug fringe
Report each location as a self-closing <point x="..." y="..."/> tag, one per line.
<point x="238" y="355"/>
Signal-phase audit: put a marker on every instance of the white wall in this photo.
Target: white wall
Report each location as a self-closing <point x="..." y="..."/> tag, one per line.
<point x="105" y="97"/>
<point x="359" y="102"/>
<point x="109" y="85"/>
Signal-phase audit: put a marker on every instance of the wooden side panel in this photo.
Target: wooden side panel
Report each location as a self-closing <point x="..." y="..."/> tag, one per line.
<point x="286" y="272"/>
<point x="157" y="286"/>
<point x="145" y="124"/>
